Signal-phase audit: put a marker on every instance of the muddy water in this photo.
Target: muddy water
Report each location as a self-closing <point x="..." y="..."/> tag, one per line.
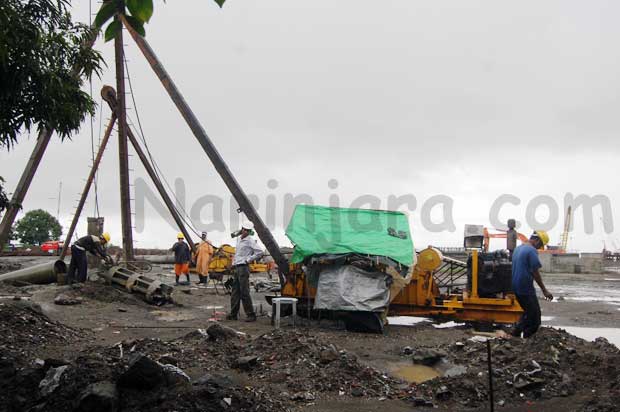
<point x="414" y="373"/>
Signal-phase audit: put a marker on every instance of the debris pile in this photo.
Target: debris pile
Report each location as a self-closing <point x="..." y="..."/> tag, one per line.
<point x="25" y="330"/>
<point x="551" y="364"/>
<point x="303" y="367"/>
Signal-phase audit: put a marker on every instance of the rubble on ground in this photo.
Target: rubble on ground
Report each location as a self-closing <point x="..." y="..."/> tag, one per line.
<point x="220" y="369"/>
<point x="25" y="330"/>
<point x="550" y="364"/>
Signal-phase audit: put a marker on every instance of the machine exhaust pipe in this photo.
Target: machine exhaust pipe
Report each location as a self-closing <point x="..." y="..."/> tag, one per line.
<point x="40" y="274"/>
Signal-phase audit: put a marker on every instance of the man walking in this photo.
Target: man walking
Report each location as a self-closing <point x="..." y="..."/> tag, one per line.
<point x="525" y="266"/>
<point x="181" y="258"/>
<point x="247" y="251"/>
<point x="204" y="252"/>
<point x="79" y="263"/>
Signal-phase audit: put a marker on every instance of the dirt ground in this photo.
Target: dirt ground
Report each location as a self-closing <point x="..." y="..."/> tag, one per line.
<point x="313" y="366"/>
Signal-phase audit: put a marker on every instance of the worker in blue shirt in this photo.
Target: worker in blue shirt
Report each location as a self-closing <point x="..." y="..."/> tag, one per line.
<point x="525" y="269"/>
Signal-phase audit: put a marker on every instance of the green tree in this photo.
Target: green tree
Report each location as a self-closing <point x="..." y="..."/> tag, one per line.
<point x="137" y="13"/>
<point x="43" y="57"/>
<point x="36" y="227"/>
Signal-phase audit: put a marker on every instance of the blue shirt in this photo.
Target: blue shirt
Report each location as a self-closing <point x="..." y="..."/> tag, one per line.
<point x="524" y="262"/>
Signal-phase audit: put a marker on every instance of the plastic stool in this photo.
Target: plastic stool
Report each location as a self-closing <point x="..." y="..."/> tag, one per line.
<point x="275" y="310"/>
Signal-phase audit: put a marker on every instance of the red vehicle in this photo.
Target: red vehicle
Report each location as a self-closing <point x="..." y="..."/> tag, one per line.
<point x="52" y="246"/>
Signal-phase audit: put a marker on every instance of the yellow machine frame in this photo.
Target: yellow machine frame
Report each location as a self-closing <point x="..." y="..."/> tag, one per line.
<point x="221" y="262"/>
<point x="421" y="297"/>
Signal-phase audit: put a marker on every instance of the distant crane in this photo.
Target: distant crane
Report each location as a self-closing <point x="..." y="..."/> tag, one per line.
<point x="567" y="225"/>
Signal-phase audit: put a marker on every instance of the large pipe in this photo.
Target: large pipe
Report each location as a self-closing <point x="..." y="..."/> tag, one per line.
<point x="153" y="291"/>
<point x="39" y="274"/>
<point x="207" y="145"/>
<point x="157" y="259"/>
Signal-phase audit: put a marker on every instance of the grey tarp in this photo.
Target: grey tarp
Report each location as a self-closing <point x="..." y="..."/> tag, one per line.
<point x="349" y="288"/>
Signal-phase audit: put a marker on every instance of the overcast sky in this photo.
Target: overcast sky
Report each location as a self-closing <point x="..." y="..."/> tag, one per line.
<point x="466" y="99"/>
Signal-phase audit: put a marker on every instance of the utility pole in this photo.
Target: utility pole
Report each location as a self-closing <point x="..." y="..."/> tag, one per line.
<point x="123" y="159"/>
<point x="22" y="186"/>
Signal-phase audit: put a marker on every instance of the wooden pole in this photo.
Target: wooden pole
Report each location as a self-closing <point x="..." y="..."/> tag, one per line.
<point x="123" y="159"/>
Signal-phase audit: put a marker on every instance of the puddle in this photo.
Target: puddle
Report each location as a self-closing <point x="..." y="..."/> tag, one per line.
<point x="420" y="373"/>
<point x="547" y="318"/>
<point x="415" y="373"/>
<point x="590" y="334"/>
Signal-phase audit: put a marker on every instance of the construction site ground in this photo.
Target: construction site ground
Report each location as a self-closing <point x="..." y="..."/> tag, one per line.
<point x="312" y="366"/>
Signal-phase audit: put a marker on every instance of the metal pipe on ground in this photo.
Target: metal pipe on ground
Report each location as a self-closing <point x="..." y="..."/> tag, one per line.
<point x="153" y="291"/>
<point x="39" y="274"/>
<point x="157" y="259"/>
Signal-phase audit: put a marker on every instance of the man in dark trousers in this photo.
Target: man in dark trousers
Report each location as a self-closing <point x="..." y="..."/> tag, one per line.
<point x="525" y="266"/>
<point x="92" y="244"/>
<point x="247" y="251"/>
<point x="182" y="257"/>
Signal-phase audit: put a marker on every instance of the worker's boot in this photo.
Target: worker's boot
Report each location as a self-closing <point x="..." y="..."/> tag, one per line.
<point x="251" y="318"/>
<point x="230" y="316"/>
<point x="187" y="276"/>
<point x="200" y="280"/>
<point x="177" y="281"/>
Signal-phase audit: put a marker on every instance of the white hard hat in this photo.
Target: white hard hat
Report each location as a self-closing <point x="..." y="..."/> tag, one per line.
<point x="247" y="225"/>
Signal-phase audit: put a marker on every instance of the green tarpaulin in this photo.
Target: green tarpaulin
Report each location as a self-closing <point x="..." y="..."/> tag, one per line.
<point x="318" y="230"/>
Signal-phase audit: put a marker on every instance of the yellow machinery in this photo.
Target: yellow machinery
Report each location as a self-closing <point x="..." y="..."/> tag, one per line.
<point x="437" y="288"/>
<point x="431" y="292"/>
<point x="221" y="262"/>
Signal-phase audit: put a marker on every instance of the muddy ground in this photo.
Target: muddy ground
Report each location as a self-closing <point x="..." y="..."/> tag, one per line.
<point x="315" y="366"/>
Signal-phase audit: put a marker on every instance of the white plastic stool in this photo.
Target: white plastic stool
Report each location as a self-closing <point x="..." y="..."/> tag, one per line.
<point x="275" y="310"/>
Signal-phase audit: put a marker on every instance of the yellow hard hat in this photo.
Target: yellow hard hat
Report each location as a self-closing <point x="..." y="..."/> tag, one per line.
<point x="180" y="236"/>
<point x="106" y="237"/>
<point x="543" y="236"/>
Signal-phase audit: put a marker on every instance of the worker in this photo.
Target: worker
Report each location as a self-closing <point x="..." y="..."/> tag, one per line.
<point x="182" y="257"/>
<point x="525" y="269"/>
<point x="246" y="251"/>
<point x="511" y="237"/>
<point x="204" y="252"/>
<point x="92" y="244"/>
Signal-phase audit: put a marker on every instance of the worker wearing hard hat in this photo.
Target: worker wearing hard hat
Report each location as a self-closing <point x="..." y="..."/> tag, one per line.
<point x="182" y="257"/>
<point x="525" y="270"/>
<point x="246" y="251"/>
<point x="204" y="252"/>
<point x="92" y="244"/>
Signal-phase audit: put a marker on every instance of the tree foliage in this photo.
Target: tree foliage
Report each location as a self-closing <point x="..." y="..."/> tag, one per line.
<point x="4" y="199"/>
<point x="36" y="227"/>
<point x="43" y="57"/>
<point x="136" y="12"/>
